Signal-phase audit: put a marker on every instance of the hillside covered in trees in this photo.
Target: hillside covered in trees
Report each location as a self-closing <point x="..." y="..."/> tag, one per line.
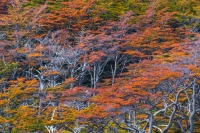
<point x="100" y="66"/>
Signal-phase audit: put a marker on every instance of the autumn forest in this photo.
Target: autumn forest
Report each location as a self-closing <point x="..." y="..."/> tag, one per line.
<point x="99" y="66"/>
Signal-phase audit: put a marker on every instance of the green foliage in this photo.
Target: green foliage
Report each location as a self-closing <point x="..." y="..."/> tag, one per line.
<point x="113" y="9"/>
<point x="187" y="11"/>
<point x="6" y="68"/>
<point x="34" y="3"/>
<point x="54" y="5"/>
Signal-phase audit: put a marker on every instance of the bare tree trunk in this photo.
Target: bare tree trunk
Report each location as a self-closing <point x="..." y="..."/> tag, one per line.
<point x="10" y="129"/>
<point x="171" y="120"/>
<point x="150" y="121"/>
<point x="130" y="121"/>
<point x="191" y="119"/>
<point x="40" y="104"/>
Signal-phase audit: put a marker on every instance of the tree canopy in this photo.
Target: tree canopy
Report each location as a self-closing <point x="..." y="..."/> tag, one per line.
<point x="102" y="66"/>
